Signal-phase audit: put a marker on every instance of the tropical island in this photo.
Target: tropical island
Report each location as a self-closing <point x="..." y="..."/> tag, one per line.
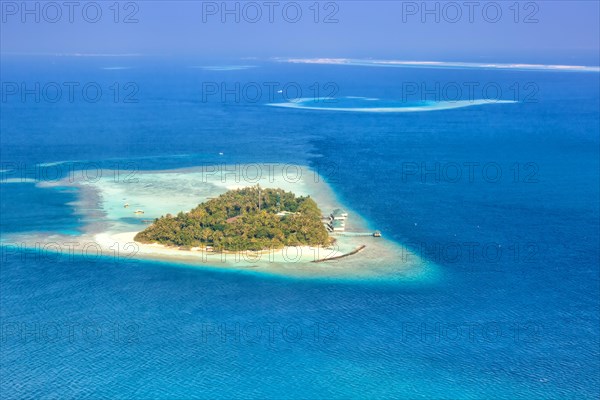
<point x="233" y="215"/>
<point x="250" y="218"/>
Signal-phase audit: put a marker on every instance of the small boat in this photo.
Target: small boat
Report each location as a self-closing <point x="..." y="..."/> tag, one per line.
<point x="126" y="205"/>
<point x="377" y="234"/>
<point x="138" y="212"/>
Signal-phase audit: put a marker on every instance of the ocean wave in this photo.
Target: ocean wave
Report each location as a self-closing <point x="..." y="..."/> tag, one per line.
<point x="56" y="163"/>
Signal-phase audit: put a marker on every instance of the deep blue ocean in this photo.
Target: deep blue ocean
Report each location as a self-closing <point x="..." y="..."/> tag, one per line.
<point x="514" y="312"/>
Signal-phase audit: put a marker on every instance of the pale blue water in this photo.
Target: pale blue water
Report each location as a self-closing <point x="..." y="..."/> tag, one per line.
<point x="529" y="317"/>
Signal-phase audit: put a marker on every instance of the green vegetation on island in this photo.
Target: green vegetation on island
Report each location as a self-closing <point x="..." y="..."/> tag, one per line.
<point x="251" y="218"/>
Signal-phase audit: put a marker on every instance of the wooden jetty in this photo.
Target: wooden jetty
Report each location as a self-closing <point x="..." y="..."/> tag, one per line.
<point x="357" y="250"/>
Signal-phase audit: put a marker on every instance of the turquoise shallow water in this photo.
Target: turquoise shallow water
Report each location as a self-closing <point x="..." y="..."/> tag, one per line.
<point x="355" y="104"/>
<point x="521" y="322"/>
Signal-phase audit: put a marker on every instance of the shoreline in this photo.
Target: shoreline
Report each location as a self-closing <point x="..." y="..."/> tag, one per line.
<point x="110" y="226"/>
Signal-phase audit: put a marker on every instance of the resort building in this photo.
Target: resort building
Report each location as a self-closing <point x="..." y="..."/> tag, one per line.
<point x="339" y="214"/>
<point x="337" y="226"/>
<point x="336" y="221"/>
<point x="285" y="213"/>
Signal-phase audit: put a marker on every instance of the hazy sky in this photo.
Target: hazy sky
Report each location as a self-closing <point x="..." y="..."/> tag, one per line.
<point x="551" y="31"/>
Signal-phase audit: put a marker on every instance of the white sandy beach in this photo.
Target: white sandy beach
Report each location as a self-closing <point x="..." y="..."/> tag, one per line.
<point x="111" y="226"/>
